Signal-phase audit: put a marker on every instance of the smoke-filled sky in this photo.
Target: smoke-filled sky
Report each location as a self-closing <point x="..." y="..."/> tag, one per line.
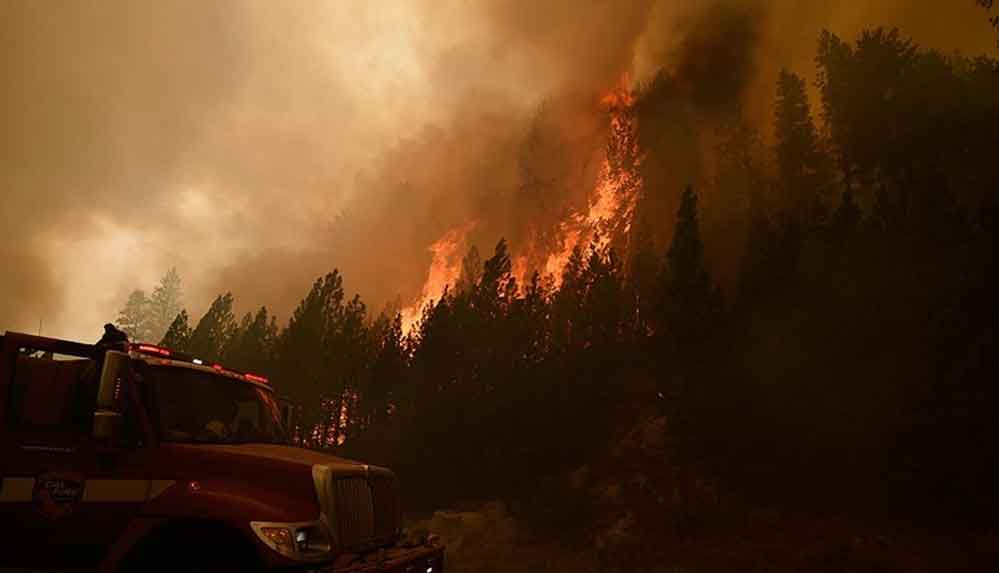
<point x="255" y="145"/>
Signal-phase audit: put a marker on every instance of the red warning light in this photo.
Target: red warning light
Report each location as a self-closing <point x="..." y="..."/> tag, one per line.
<point x="255" y="378"/>
<point x="153" y="349"/>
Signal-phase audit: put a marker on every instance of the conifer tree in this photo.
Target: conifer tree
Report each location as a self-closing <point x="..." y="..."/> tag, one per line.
<point x="494" y="285"/>
<point x="178" y="336"/>
<point x="800" y="161"/>
<point x="690" y="303"/>
<point x="214" y="330"/>
<point x="305" y="361"/>
<point x="471" y="270"/>
<point x="134" y="318"/>
<point x="642" y="273"/>
<point x="251" y="347"/>
<point x="164" y="304"/>
<point x="388" y="371"/>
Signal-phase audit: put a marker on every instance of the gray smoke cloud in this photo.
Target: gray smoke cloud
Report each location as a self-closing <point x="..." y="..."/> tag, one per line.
<point x="256" y="145"/>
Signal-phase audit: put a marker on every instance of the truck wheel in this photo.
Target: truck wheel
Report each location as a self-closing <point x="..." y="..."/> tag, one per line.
<point x="193" y="548"/>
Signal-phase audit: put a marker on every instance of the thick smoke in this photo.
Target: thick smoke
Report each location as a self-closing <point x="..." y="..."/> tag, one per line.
<point x="99" y="105"/>
<point x="256" y="145"/>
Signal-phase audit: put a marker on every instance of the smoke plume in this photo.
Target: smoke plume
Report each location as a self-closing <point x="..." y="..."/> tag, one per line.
<point x="256" y="145"/>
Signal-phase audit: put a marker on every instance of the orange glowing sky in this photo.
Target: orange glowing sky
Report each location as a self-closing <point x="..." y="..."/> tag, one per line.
<point x="256" y="145"/>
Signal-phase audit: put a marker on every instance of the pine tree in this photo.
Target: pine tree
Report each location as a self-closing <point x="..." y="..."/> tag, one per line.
<point x="134" y="318"/>
<point x="471" y="270"/>
<point x="603" y="311"/>
<point x="387" y="373"/>
<point x="690" y="303"/>
<point x="348" y="358"/>
<point x="800" y="161"/>
<point x="643" y="270"/>
<point x="866" y="90"/>
<point x="214" y="330"/>
<point x="164" y="304"/>
<point x="495" y="284"/>
<point x="251" y="348"/>
<point x="178" y="336"/>
<point x="305" y="362"/>
<point x="691" y="309"/>
<point x="567" y="302"/>
<point x="834" y="82"/>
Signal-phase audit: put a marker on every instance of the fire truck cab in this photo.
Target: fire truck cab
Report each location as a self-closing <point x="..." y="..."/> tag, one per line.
<point x="133" y="457"/>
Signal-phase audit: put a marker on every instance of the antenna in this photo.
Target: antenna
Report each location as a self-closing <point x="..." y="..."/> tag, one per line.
<point x="39" y="327"/>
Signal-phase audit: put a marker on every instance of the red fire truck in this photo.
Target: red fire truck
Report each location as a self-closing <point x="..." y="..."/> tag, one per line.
<point x="134" y="457"/>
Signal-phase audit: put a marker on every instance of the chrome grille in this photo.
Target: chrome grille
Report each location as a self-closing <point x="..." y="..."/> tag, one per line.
<point x="354" y="510"/>
<point x="385" y="495"/>
<point x="360" y="504"/>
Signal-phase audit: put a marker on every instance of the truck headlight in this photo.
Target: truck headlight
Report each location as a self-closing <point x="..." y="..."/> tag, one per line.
<point x="312" y="539"/>
<point x="306" y="541"/>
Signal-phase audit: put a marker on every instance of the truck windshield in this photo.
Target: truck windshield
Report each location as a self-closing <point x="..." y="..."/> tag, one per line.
<point x="195" y="406"/>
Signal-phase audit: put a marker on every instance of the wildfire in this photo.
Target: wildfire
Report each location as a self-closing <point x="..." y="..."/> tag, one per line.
<point x="621" y="96"/>
<point x="608" y="217"/>
<point x="445" y="269"/>
<point x="612" y="206"/>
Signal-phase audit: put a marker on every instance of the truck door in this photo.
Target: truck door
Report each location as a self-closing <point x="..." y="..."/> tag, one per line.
<point x="67" y="499"/>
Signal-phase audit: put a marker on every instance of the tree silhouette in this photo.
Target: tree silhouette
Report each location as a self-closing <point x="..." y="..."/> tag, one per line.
<point x="690" y="313"/>
<point x="471" y="270"/>
<point x="800" y="161"/>
<point x="304" y="358"/>
<point x="641" y="282"/>
<point x="134" y="318"/>
<point x="690" y="302"/>
<point x="214" y="331"/>
<point x="178" y="336"/>
<point x="165" y="303"/>
<point x="379" y="400"/>
<point x="252" y="345"/>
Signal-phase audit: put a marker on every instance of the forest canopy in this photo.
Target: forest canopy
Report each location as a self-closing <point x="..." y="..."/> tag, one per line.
<point x="811" y="311"/>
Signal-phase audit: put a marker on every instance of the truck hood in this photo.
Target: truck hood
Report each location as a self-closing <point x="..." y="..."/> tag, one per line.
<point x="278" y="478"/>
<point x="279" y="453"/>
<point x="264" y="482"/>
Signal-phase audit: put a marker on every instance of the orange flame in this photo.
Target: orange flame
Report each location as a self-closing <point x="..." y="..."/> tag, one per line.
<point x="445" y="269"/>
<point x="621" y="96"/>
<point x="611" y="208"/>
<point x="519" y="269"/>
<point x="609" y="215"/>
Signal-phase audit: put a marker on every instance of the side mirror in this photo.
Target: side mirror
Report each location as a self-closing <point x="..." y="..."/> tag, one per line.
<point x="107" y="418"/>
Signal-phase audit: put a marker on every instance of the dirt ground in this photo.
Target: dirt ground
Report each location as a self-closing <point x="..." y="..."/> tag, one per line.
<point x="491" y="540"/>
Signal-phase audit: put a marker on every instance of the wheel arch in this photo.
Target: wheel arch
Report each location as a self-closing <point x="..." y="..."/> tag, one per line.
<point x="191" y="539"/>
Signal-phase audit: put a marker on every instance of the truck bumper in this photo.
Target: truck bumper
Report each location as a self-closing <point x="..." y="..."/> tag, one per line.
<point x="395" y="560"/>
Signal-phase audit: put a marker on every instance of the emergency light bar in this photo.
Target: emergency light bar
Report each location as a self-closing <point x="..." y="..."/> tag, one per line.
<point x="255" y="378"/>
<point x="149" y="348"/>
<point x="180" y="357"/>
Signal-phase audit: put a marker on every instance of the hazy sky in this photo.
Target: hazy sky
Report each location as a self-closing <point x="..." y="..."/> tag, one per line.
<point x="255" y="145"/>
